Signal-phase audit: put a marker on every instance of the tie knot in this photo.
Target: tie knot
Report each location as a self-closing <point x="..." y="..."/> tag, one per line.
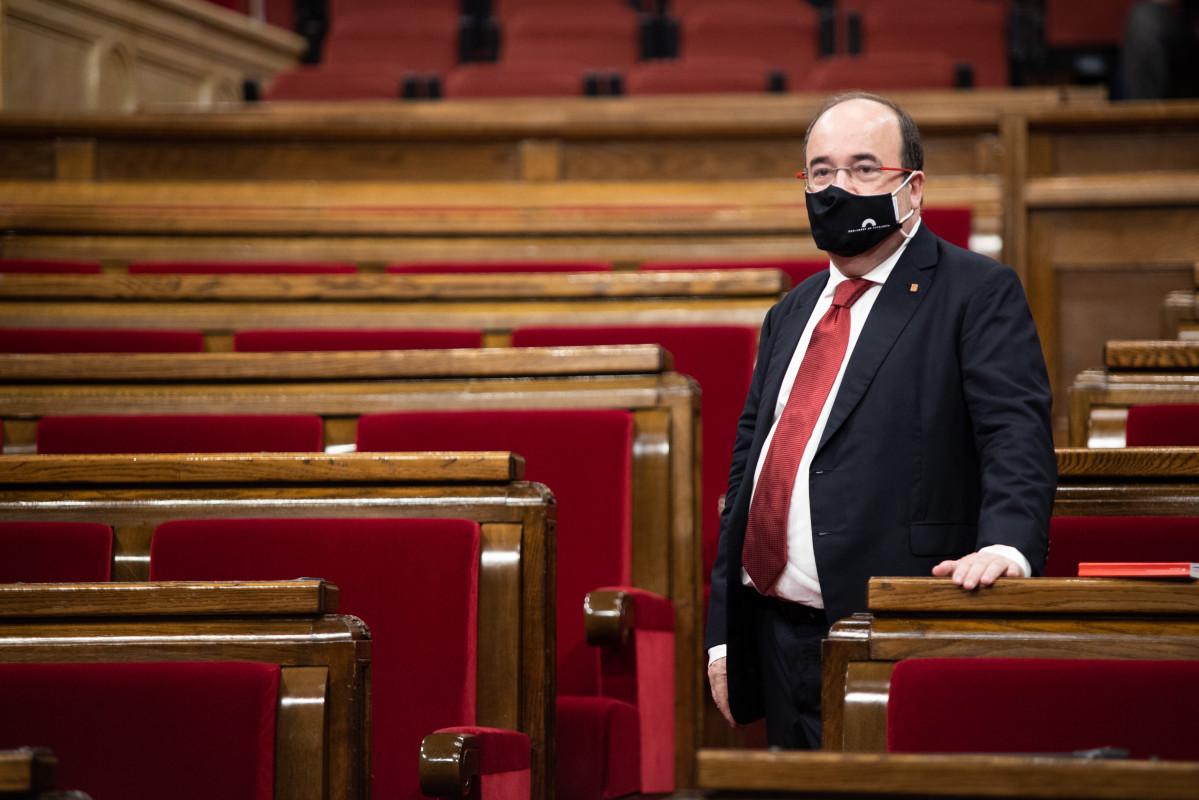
<point x="848" y="292"/>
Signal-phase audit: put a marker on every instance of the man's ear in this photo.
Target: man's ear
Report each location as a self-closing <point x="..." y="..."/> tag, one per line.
<point x="916" y="185"/>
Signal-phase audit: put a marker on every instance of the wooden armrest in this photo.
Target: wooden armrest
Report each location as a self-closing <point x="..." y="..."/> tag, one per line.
<point x="607" y="617"/>
<point x="27" y="770"/>
<point x="449" y="763"/>
<point x="1034" y="596"/>
<point x="610" y="614"/>
<point x="308" y="597"/>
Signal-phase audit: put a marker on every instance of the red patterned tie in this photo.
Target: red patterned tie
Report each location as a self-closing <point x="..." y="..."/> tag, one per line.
<point x="765" y="551"/>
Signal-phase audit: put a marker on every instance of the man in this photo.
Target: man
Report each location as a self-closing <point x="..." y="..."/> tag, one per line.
<point x="921" y="445"/>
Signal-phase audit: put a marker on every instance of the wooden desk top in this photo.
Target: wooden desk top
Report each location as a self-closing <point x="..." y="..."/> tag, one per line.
<point x="307" y="597"/>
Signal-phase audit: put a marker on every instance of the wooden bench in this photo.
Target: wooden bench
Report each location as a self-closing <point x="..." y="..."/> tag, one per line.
<point x="1047" y="617"/>
<point x="1134" y="373"/>
<point x="341" y="387"/>
<point x="154" y="621"/>
<point x="494" y="303"/>
<point x="634" y="179"/>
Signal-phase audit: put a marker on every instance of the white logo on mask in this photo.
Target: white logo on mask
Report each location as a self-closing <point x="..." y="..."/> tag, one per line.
<point x="869" y="223"/>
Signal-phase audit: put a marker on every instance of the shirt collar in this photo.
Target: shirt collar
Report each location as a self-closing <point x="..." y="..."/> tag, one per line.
<point x="880" y="273"/>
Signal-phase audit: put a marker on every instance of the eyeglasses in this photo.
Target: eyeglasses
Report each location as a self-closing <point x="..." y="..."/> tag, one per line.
<point x="863" y="174"/>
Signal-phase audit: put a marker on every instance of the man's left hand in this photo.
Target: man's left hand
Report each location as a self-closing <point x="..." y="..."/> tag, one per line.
<point x="978" y="569"/>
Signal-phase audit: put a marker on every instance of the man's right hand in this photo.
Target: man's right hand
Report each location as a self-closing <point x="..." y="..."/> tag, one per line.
<point x="718" y="677"/>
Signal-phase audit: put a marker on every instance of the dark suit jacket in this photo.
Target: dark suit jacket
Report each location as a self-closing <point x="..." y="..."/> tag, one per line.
<point x="939" y="441"/>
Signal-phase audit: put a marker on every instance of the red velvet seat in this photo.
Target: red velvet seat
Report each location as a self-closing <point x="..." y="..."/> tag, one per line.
<point x="797" y="269"/>
<point x="55" y="552"/>
<point x="240" y="268"/>
<point x="142" y="731"/>
<point x="948" y="705"/>
<point x="1154" y="425"/>
<point x="543" y="78"/>
<point x="178" y="433"/>
<point x="596" y="35"/>
<point x="1076" y="539"/>
<point x="331" y="82"/>
<point x="721" y="360"/>
<point x="783" y="33"/>
<point x="50" y="265"/>
<point x="615" y="710"/>
<point x="527" y="265"/>
<point x="882" y="72"/>
<point x="701" y="75"/>
<point x="1099" y="22"/>
<point x="969" y="31"/>
<point x="415" y="584"/>
<point x="277" y="341"/>
<point x="88" y="340"/>
<point x="409" y="38"/>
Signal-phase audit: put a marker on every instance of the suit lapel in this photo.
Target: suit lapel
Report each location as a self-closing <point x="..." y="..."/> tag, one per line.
<point x="895" y="305"/>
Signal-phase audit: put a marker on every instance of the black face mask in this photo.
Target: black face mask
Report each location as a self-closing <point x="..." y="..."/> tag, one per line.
<point x="848" y="224"/>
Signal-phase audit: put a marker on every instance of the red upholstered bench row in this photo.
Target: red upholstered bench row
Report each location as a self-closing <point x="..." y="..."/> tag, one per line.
<point x="616" y="716"/>
<point x="1050" y="706"/>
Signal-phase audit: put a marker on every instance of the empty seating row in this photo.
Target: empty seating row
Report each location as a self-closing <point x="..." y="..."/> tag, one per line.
<point x="491" y="577"/>
<point x="625" y="499"/>
<point x="554" y="48"/>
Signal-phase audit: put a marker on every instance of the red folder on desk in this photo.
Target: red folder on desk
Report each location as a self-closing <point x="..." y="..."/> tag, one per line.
<point x="1138" y="569"/>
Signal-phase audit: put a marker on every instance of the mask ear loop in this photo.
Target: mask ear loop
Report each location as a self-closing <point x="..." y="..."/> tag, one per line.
<point x="895" y="206"/>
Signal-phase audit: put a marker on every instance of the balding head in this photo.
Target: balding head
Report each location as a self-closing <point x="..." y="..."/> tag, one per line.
<point x="862" y="104"/>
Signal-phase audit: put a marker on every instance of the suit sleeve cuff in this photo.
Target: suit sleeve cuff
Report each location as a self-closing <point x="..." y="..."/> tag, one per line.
<point x="717" y="652"/>
<point x="1012" y="554"/>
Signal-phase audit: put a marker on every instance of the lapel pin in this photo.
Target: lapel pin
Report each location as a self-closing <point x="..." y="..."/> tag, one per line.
<point x="913" y="288"/>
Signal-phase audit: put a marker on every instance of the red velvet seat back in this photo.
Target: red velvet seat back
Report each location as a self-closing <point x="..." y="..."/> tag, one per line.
<point x="585" y="457"/>
<point x="55" y="552"/>
<point x="951" y="224"/>
<point x="414" y="583"/>
<point x="277" y="341"/>
<point x="950" y="705"/>
<point x="86" y="340"/>
<point x="597" y="36"/>
<point x="240" y="268"/>
<point x="1099" y="22"/>
<point x="1160" y="425"/>
<point x="970" y="31"/>
<point x="721" y="360"/>
<point x="1076" y="539"/>
<point x="882" y="72"/>
<point x="235" y="433"/>
<point x="50" y="265"/>
<point x="139" y="731"/>
<point x="783" y="33"/>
